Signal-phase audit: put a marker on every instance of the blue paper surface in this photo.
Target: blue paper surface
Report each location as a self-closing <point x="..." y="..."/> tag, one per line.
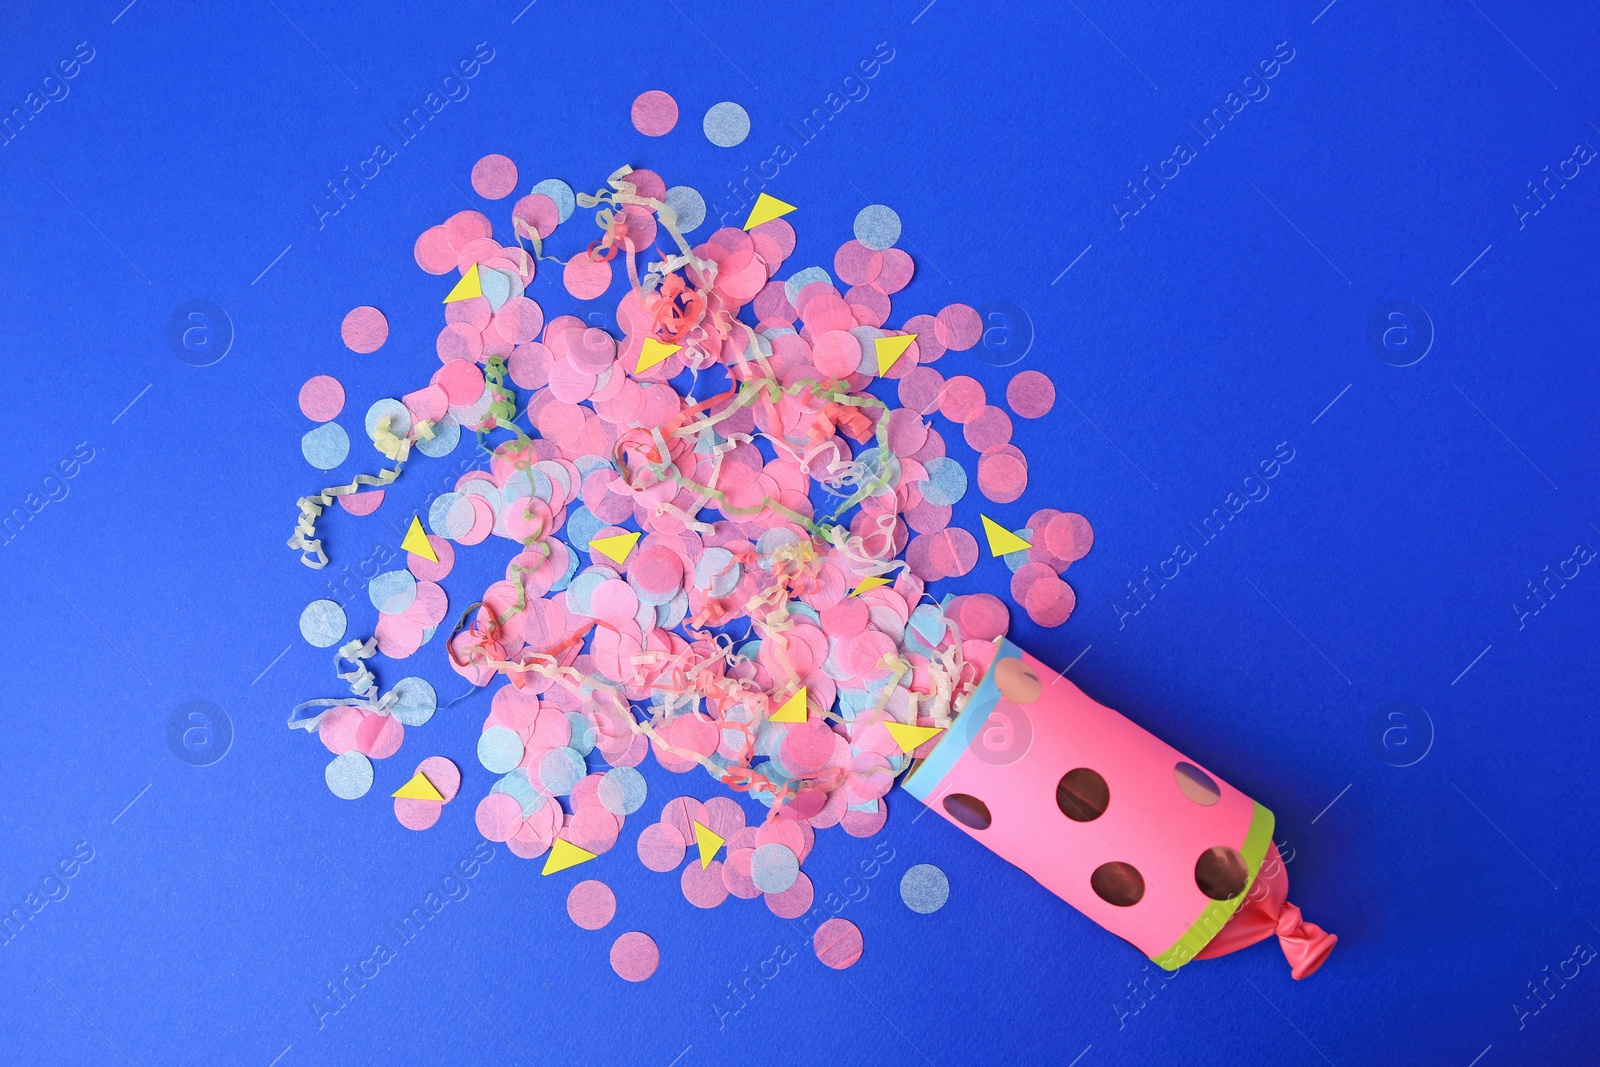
<point x="1389" y="642"/>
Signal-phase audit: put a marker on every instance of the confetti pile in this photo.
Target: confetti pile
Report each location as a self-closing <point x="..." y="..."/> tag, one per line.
<point x="724" y="538"/>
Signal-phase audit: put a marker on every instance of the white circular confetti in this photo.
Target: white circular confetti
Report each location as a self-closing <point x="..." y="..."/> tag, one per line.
<point x="398" y="414"/>
<point x="499" y="749"/>
<point x="774" y="868"/>
<point x="924" y="888"/>
<point x="446" y="519"/>
<point x="726" y="124"/>
<point x="326" y="446"/>
<point x="349" y="776"/>
<point x="560" y="770"/>
<point x="622" y="791"/>
<point x="322" y="623"/>
<point x="689" y="205"/>
<point x="877" y="227"/>
<point x="414" y="701"/>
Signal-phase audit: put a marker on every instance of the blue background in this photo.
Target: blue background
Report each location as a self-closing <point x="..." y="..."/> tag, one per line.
<point x="1187" y="343"/>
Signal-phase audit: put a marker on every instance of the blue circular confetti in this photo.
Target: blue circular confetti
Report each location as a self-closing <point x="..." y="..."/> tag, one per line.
<point x="946" y="484"/>
<point x="446" y="435"/>
<point x="516" y="786"/>
<point x="689" y="205"/>
<point x="560" y="192"/>
<point x="582" y="733"/>
<point x="393" y="591"/>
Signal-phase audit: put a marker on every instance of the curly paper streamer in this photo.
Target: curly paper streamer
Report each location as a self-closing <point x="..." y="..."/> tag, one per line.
<point x="363" y="683"/>
<point x="311" y="507"/>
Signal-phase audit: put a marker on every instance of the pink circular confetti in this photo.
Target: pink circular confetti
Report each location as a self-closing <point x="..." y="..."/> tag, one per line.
<point x="444" y="774"/>
<point x="362" y="503"/>
<point x="634" y="956"/>
<point x="1031" y="394"/>
<point x="837" y="943"/>
<point x="461" y="381"/>
<point x="1069" y="537"/>
<point x="459" y="342"/>
<point x="865" y="823"/>
<point x="322" y="397"/>
<point x="379" y="736"/>
<point x="794" y="901"/>
<point x="364" y="329"/>
<point x="682" y="813"/>
<point x="1002" y="477"/>
<point x="494" y="177"/>
<point x="536" y="213"/>
<point x="434" y="251"/>
<point x="425" y="569"/>
<point x="654" y="113"/>
<point x="591" y="904"/>
<point x="736" y="874"/>
<point x="961" y="398"/>
<point x="527" y="844"/>
<point x="1050" y="601"/>
<point x="926" y="327"/>
<point x="417" y="814"/>
<point x="954" y="551"/>
<point x="988" y="427"/>
<point x="921" y="390"/>
<point x="499" y="816"/>
<point x="1025" y="577"/>
<point x="661" y="847"/>
<point x="586" y="278"/>
<point x="958" y="327"/>
<point x="703" y="886"/>
<point x="837" y="353"/>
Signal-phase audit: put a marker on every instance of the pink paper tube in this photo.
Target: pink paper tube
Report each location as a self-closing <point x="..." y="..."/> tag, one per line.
<point x="1114" y="821"/>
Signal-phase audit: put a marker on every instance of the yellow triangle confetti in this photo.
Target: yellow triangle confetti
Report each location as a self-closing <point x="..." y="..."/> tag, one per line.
<point x="417" y="542"/>
<point x="909" y="737"/>
<point x="564" y="854"/>
<point x="793" y="710"/>
<point x="654" y="352"/>
<point x="1001" y="540"/>
<point x="468" y="287"/>
<point x="868" y="583"/>
<point x="890" y="349"/>
<point x="419" y="788"/>
<point x="709" y="843"/>
<point x="615" y="547"/>
<point x="766" y="209"/>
